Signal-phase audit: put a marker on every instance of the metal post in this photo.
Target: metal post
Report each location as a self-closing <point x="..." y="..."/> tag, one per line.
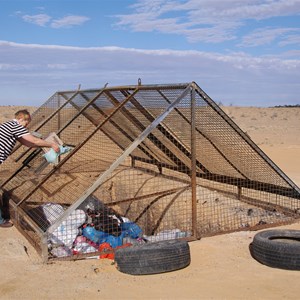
<point x="193" y="163"/>
<point x="239" y="192"/>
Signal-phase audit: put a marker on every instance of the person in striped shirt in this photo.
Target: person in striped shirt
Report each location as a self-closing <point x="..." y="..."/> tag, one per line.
<point x="13" y="131"/>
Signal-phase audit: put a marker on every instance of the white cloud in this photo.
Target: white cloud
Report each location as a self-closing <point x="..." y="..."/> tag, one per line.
<point x="58" y="66"/>
<point x="46" y="20"/>
<point x="235" y="78"/>
<point x="264" y="36"/>
<point x="69" y="21"/>
<point x="40" y="19"/>
<point x="14" y="67"/>
<point x="291" y="39"/>
<point x="203" y="20"/>
<point x="236" y="10"/>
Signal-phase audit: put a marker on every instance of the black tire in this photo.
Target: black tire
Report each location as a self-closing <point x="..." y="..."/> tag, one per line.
<point x="153" y="258"/>
<point x="277" y="248"/>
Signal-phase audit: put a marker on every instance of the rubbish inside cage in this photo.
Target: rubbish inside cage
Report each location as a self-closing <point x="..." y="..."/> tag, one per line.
<point x="144" y="163"/>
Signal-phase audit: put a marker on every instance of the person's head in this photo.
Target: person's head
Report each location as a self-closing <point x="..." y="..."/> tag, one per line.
<point x="23" y="116"/>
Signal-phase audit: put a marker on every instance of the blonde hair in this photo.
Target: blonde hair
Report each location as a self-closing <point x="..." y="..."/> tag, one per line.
<point x="23" y="114"/>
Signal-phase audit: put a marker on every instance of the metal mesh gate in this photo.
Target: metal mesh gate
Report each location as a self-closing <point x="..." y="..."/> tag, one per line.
<point x="147" y="162"/>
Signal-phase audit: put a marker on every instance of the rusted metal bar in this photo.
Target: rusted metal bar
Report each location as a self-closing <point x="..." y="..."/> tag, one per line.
<point x="193" y="162"/>
<point x="63" y="161"/>
<point x="204" y="136"/>
<point x="137" y="198"/>
<point x="120" y="129"/>
<point x="253" y="184"/>
<point x="246" y="138"/>
<point x="239" y="192"/>
<point x="121" y="159"/>
<point x="67" y="157"/>
<point x="155" y="227"/>
<point x="157" y="198"/>
<point x="152" y="137"/>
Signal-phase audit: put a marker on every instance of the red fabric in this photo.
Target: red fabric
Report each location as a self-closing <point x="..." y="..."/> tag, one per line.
<point x="106" y="251"/>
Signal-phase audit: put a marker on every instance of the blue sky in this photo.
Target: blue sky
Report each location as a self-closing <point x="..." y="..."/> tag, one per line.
<point x="240" y="52"/>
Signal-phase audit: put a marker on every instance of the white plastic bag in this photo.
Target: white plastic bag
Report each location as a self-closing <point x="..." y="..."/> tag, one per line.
<point x="52" y="211"/>
<point x="67" y="232"/>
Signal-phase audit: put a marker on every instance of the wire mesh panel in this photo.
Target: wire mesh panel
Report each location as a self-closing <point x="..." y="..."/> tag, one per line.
<point x="145" y="163"/>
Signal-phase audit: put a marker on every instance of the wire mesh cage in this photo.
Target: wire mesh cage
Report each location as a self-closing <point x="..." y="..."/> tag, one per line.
<point x="144" y="163"/>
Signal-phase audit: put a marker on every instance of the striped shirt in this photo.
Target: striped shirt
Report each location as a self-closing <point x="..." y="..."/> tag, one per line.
<point x="9" y="133"/>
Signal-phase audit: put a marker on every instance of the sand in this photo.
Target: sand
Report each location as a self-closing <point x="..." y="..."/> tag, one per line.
<point x="221" y="266"/>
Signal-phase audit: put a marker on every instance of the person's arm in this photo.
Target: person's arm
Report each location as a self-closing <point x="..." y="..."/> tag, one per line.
<point x="31" y="141"/>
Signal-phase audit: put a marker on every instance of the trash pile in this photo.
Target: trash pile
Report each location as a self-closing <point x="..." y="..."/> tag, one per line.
<point x="87" y="228"/>
<point x="92" y="227"/>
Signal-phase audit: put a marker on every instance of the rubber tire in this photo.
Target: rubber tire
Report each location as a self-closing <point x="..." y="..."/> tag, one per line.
<point x="277" y="248"/>
<point x="153" y="258"/>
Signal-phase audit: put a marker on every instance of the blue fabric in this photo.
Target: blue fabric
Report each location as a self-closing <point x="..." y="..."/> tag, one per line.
<point x="131" y="229"/>
<point x="114" y="241"/>
<point x="99" y="237"/>
<point x="1" y="219"/>
<point x="94" y="235"/>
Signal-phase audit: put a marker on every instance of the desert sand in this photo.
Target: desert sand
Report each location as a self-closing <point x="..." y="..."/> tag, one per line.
<point x="221" y="266"/>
